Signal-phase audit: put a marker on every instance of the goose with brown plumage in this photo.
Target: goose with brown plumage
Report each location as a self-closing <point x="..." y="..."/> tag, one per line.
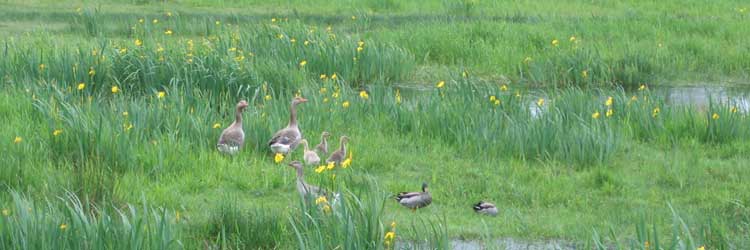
<point x="311" y="158"/>
<point x="287" y="139"/>
<point x="339" y="155"/>
<point x="233" y="137"/>
<point x="322" y="147"/>
<point x="306" y="190"/>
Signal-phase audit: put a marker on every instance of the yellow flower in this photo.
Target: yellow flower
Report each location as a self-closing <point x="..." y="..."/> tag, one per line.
<point x="320" y="169"/>
<point x="81" y="86"/>
<point x="161" y="94"/>
<point x="217" y="125"/>
<point x="715" y="116"/>
<point x="390" y="235"/>
<point x="518" y="94"/>
<point x="323" y="90"/>
<point x="123" y="50"/>
<point x="363" y="94"/>
<point x="335" y="94"/>
<point x="572" y="39"/>
<point x="733" y="109"/>
<point x="398" y="96"/>
<point x="127" y="126"/>
<point x="326" y="208"/>
<point x="325" y="100"/>
<point x="42" y="67"/>
<point x="361" y="44"/>
<point x="168" y="32"/>
<point x="609" y="113"/>
<point x="354" y="17"/>
<point x="702" y="248"/>
<point x="6" y="212"/>
<point x="347" y="162"/>
<point x="585" y="74"/>
<point x="440" y="84"/>
<point x="292" y="40"/>
<point x="503" y="87"/>
<point x="218" y="22"/>
<point x="540" y="102"/>
<point x="329" y="28"/>
<point x="497" y="102"/>
<point x="155" y="21"/>
<point x="280" y="36"/>
<point x="18" y="140"/>
<point x="138" y="42"/>
<point x="331" y="165"/>
<point x="141" y="20"/>
<point x="655" y="112"/>
<point x="125" y="113"/>
<point x="345" y="104"/>
<point x="555" y="42"/>
<point x="273" y="20"/>
<point x="642" y="87"/>
<point x="492" y="98"/>
<point x="595" y="115"/>
<point x="634" y="98"/>
<point x="268" y="97"/>
<point x="169" y="14"/>
<point x="239" y="58"/>
<point x="465" y="74"/>
<point x="302" y="63"/>
<point x="393" y="224"/>
<point x="57" y="132"/>
<point x="321" y="199"/>
<point x="527" y="60"/>
<point x="115" y="90"/>
<point x="334" y="76"/>
<point x="63" y="226"/>
<point x="92" y="72"/>
<point x="609" y="101"/>
<point x="359" y="49"/>
<point x="278" y="158"/>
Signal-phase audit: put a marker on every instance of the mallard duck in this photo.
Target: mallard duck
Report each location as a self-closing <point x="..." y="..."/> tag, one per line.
<point x="310" y="157"/>
<point x="415" y="200"/>
<point x="340" y="154"/>
<point x="287" y="139"/>
<point x="306" y="190"/>
<point x="486" y="208"/>
<point x="322" y="148"/>
<point x="233" y="137"/>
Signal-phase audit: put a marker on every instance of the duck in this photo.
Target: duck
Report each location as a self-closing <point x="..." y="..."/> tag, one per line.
<point x="287" y="139"/>
<point x="486" y="208"/>
<point x="340" y="154"/>
<point x="311" y="158"/>
<point x="306" y="190"/>
<point x="415" y="200"/>
<point x="233" y="137"/>
<point x="322" y="148"/>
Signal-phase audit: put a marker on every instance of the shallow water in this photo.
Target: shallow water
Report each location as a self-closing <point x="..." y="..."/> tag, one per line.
<point x="701" y="97"/>
<point x="513" y="244"/>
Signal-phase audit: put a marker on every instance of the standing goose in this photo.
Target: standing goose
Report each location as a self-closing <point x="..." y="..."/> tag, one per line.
<point x="310" y="157"/>
<point x="415" y="200"/>
<point x="486" y="208"/>
<point x="340" y="154"/>
<point x="305" y="190"/>
<point x="233" y="137"/>
<point x="322" y="148"/>
<point x="287" y="139"/>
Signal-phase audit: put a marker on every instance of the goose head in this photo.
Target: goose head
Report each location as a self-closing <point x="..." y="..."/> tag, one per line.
<point x="298" y="100"/>
<point x="242" y="105"/>
<point x="296" y="165"/>
<point x="344" y="139"/>
<point x="325" y="134"/>
<point x="304" y="142"/>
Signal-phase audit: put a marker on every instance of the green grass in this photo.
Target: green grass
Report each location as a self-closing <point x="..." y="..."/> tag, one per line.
<point x="555" y="170"/>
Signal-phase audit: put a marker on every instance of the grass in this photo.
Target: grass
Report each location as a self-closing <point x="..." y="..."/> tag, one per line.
<point x="590" y="154"/>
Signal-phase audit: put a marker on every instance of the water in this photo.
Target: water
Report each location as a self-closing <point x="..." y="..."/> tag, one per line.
<point x="513" y="244"/>
<point x="702" y="96"/>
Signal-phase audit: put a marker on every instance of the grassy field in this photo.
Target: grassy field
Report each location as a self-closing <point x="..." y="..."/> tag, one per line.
<point x="112" y="111"/>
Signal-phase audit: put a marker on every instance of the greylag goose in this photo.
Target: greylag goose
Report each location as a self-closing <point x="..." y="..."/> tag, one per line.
<point x="287" y="139"/>
<point x="233" y="137"/>
<point x="340" y="154"/>
<point x="306" y="190"/>
<point x="310" y="157"/>
<point x="322" y="148"/>
<point x="486" y="208"/>
<point x="415" y="200"/>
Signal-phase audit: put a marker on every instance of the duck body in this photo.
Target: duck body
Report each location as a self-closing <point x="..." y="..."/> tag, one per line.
<point x="486" y="208"/>
<point x="232" y="139"/>
<point x="415" y="200"/>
